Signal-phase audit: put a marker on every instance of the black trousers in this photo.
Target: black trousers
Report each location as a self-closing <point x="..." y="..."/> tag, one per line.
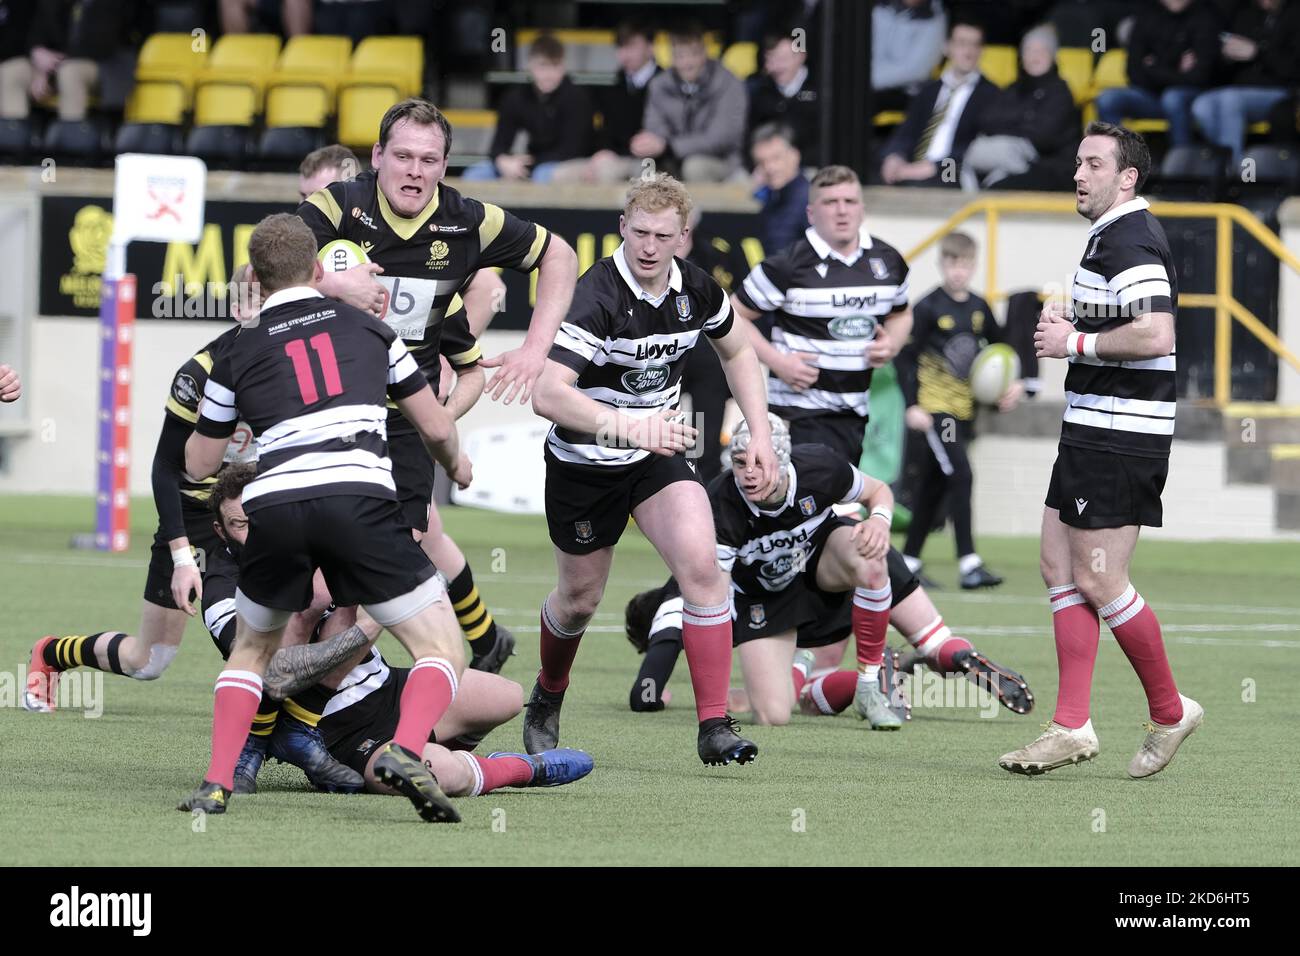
<point x="945" y="470"/>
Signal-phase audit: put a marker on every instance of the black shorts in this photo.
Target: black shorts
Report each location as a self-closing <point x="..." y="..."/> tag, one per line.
<point x="843" y="433"/>
<point x="361" y="545"/>
<point x="354" y="733"/>
<point x="413" y="474"/>
<point x="834" y="621"/>
<point x="588" y="506"/>
<point x="1099" y="489"/>
<point x="203" y="542"/>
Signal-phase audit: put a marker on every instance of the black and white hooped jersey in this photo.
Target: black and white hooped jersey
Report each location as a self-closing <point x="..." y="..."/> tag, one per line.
<point x="767" y="550"/>
<point x="1126" y="271"/>
<point x="629" y="349"/>
<point x="311" y="379"/>
<point x="363" y="680"/>
<point x="830" y="306"/>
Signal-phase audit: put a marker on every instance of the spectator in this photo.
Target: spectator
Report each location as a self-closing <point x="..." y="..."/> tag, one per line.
<point x="1171" y="54"/>
<point x="1260" y="65"/>
<point x="786" y="94"/>
<point x="906" y="45"/>
<point x="1029" y="124"/>
<point x="320" y="167"/>
<point x="782" y="188"/>
<point x="289" y="17"/>
<point x="75" y="47"/>
<point x="554" y="113"/>
<point x="622" y="107"/>
<point x="943" y="117"/>
<point x="15" y="22"/>
<point x="694" y="114"/>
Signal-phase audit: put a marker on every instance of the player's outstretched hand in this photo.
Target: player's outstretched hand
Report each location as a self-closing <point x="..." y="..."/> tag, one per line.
<point x="186" y="578"/>
<point x="871" y="538"/>
<point x="11" y="388"/>
<point x="519" y="371"/>
<point x="1053" y="330"/>
<point x="358" y="288"/>
<point x="663" y="433"/>
<point x="464" y="473"/>
<point x="798" y="370"/>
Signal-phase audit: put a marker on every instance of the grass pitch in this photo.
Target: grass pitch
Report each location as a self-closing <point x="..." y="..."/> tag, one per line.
<point x="79" y="791"/>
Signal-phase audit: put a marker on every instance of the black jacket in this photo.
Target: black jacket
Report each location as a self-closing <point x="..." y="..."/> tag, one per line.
<point x="800" y="112"/>
<point x="1038" y="108"/>
<point x="558" y="125"/>
<point x="919" y="111"/>
<point x="622" y="108"/>
<point x="1159" y="40"/>
<point x="1277" y="63"/>
<point x="85" y="29"/>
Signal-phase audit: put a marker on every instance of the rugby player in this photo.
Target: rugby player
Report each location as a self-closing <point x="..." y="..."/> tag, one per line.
<point x="616" y="446"/>
<point x="1120" y="402"/>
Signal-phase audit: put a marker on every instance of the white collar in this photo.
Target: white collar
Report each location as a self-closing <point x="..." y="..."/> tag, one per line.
<point x="789" y="495"/>
<point x="1123" y="209"/>
<point x="291" y="294"/>
<point x="795" y="85"/>
<point x="674" y="278"/>
<point x="824" y="250"/>
<point x="951" y="81"/>
<point x="644" y="75"/>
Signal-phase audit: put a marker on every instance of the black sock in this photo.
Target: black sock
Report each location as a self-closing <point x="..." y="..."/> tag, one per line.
<point x="474" y="617"/>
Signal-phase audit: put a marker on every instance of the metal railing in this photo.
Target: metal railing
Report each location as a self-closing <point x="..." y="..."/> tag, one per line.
<point x="1225" y="305"/>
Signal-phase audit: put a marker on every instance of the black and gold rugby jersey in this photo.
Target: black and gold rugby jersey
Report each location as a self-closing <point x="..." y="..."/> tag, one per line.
<point x="934" y="366"/>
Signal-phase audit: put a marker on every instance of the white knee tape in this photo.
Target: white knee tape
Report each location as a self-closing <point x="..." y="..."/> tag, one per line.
<point x="160" y="657"/>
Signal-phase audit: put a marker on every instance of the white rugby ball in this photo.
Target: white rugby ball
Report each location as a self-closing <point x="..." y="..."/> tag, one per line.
<point x="992" y="373"/>
<point x="340" y="255"/>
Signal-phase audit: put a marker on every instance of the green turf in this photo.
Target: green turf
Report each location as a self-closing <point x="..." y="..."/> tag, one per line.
<point x="80" y="791"/>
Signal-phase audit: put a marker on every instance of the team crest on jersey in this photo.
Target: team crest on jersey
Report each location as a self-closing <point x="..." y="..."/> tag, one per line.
<point x="807" y="506"/>
<point x="584" y="532"/>
<point x="438" y="252"/>
<point x="684" y="308"/>
<point x="186" y="389"/>
<point x="757" y="615"/>
<point x="878" y="267"/>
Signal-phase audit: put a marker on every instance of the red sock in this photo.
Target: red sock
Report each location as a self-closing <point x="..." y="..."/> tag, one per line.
<point x="1077" y="631"/>
<point x="800" y="678"/>
<point x="1137" y="632"/>
<point x="938" y="644"/>
<point x="559" y="648"/>
<point x="833" y="692"/>
<point x="238" y="695"/>
<point x="870" y="623"/>
<point x="706" y="638"/>
<point x="493" y="773"/>
<point x="429" y="691"/>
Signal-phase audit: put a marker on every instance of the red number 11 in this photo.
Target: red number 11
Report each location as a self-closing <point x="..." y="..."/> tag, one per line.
<point x="324" y="349"/>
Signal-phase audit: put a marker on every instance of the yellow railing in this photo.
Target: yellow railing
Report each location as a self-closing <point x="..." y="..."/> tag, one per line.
<point x="1222" y="301"/>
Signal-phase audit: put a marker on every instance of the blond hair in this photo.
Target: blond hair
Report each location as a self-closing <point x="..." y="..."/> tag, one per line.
<point x="957" y="245"/>
<point x="656" y="194"/>
<point x="282" y="251"/>
<point x="833" y="176"/>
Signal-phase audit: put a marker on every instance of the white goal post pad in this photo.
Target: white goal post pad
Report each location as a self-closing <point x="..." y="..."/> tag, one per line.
<point x="509" y="472"/>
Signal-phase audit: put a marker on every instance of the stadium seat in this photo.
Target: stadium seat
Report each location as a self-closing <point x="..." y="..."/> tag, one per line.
<point x="395" y="61"/>
<point x="741" y="59"/>
<point x="320" y="60"/>
<point x="471" y="134"/>
<point x="293" y="105"/>
<point x="1265" y="172"/>
<point x="172" y="58"/>
<point x="220" y="145"/>
<point x="78" y="139"/>
<point x="1190" y="173"/>
<point x="1074" y="64"/>
<point x="1000" y="64"/>
<point x="361" y="107"/>
<point x="148" y="138"/>
<point x="225" y="103"/>
<point x="246" y="58"/>
<point x="18" y="138"/>
<point x="289" y="144"/>
<point x="157" y="101"/>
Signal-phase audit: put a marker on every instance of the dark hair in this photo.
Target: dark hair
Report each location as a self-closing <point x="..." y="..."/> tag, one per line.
<point x="1130" y="148"/>
<point x="547" y="47"/>
<point x="632" y="28"/>
<point x="328" y="157"/>
<point x="782" y="30"/>
<point x="229" y="485"/>
<point x="639" y="615"/>
<point x="955" y="23"/>
<point x="687" y="31"/>
<point x="957" y="245"/>
<point x="766" y="131"/>
<point x="418" y="111"/>
<point x="282" y="250"/>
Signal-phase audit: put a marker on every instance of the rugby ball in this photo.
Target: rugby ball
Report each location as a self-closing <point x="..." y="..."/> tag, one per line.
<point x="340" y="255"/>
<point x="992" y="373"/>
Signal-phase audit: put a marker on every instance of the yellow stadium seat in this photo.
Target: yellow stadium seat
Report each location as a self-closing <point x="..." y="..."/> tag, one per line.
<point x="1112" y="71"/>
<point x="361" y="107"/>
<point x="173" y="57"/>
<point x="1075" y="66"/>
<point x="664" y="48"/>
<point x="384" y="60"/>
<point x="248" y="58"/>
<point x="1000" y="64"/>
<point x="157" y="102"/>
<point x="289" y="104"/>
<point x="225" y="104"/>
<point x="318" y="59"/>
<point x="741" y="59"/>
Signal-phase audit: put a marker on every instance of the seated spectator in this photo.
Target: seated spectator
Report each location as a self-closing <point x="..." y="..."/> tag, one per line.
<point x="287" y="17"/>
<point x="554" y="113"/>
<point x="1260" y="64"/>
<point x="785" y="93"/>
<point x="621" y="106"/>
<point x="1171" y="54"/>
<point x="1031" y="123"/>
<point x="15" y="23"/>
<point x="77" y="48"/>
<point x="782" y="187"/>
<point x="694" y="114"/>
<point x="320" y="167"/>
<point x="943" y="117"/>
<point x="906" y="45"/>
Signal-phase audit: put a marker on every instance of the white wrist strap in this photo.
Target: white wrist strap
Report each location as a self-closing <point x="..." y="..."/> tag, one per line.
<point x="182" y="557"/>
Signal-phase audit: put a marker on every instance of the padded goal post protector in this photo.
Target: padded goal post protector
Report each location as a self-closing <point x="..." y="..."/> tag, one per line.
<point x="113" y="455"/>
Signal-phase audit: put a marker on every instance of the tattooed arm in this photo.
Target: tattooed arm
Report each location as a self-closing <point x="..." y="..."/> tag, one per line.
<point x="294" y="669"/>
